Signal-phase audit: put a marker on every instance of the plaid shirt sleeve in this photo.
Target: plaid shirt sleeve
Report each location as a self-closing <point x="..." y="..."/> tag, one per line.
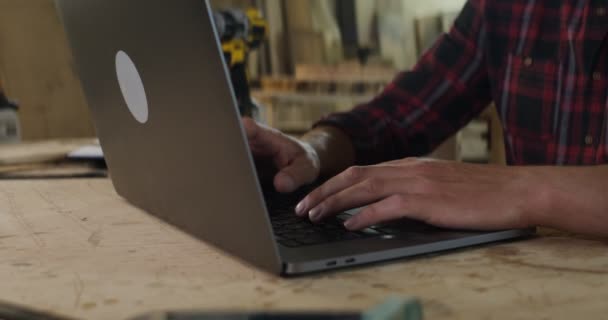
<point x="423" y="107"/>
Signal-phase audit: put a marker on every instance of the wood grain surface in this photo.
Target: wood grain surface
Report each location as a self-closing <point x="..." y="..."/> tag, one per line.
<point x="75" y="248"/>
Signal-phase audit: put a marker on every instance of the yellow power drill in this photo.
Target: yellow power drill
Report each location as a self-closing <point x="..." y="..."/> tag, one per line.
<point x="240" y="32"/>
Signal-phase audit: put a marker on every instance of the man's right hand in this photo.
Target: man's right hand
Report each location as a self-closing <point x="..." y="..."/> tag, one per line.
<point x="297" y="163"/>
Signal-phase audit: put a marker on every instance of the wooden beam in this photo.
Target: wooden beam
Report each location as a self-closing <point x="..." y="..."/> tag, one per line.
<point x="36" y="66"/>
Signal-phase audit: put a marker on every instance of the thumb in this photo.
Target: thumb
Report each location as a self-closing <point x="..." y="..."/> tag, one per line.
<point x="295" y="175"/>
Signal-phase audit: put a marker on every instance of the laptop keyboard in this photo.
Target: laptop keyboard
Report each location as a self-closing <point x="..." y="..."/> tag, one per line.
<point x="293" y="231"/>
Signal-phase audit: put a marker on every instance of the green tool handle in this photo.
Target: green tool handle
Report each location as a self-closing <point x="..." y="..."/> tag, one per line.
<point x="392" y="309"/>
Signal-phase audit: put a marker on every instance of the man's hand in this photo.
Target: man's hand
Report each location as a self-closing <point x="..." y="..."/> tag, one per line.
<point x="441" y="193"/>
<point x="296" y="161"/>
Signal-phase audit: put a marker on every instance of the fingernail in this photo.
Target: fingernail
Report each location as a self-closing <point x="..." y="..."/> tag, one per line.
<point x="314" y="214"/>
<point x="349" y="224"/>
<point x="300" y="209"/>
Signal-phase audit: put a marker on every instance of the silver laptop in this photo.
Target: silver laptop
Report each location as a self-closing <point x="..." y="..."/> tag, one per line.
<point x="162" y="103"/>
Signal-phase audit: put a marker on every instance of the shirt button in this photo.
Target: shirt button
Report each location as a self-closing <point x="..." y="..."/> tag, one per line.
<point x="601" y="11"/>
<point x="589" y="140"/>
<point x="597" y="75"/>
<point x="528" y="61"/>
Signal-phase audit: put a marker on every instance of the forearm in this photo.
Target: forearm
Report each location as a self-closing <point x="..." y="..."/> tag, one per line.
<point x="424" y="106"/>
<point x="333" y="147"/>
<point x="570" y="198"/>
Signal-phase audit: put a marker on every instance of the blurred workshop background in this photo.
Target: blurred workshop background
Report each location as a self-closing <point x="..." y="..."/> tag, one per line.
<point x="316" y="57"/>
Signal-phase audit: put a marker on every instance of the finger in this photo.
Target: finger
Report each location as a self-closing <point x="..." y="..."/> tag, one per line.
<point x="263" y="141"/>
<point x="267" y="142"/>
<point x="349" y="177"/>
<point x="295" y="175"/>
<point x="391" y="208"/>
<point x="251" y="128"/>
<point x="361" y="194"/>
<point x="408" y="160"/>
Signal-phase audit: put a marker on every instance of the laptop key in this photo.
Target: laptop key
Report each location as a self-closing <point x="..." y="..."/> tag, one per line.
<point x="297" y="226"/>
<point x="332" y="227"/>
<point x="289" y="243"/>
<point x="283" y="233"/>
<point x="388" y="230"/>
<point x="297" y="234"/>
<point x="369" y="232"/>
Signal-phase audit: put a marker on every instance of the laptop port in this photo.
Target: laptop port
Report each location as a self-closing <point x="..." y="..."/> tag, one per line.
<point x="350" y="260"/>
<point x="332" y="263"/>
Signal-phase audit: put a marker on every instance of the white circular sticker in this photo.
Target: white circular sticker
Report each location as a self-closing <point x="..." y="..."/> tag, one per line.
<point x="132" y="87"/>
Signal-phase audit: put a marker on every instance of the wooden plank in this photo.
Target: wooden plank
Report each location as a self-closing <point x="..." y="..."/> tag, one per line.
<point x="38" y="152"/>
<point x="65" y="170"/>
<point x="312" y="40"/>
<point x="277" y="46"/>
<point x="428" y="30"/>
<point x="75" y="248"/>
<point x="36" y="67"/>
<point x="224" y="4"/>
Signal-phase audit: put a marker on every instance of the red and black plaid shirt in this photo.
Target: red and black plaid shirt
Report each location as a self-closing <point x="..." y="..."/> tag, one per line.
<point x="544" y="63"/>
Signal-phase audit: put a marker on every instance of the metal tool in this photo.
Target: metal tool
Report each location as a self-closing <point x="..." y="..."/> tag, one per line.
<point x="240" y="32"/>
<point x="10" y="130"/>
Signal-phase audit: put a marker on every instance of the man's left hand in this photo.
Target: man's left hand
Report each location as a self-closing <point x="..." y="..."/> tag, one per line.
<point x="441" y="193"/>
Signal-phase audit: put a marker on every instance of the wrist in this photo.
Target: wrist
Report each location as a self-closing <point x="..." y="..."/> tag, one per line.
<point x="538" y="197"/>
<point x="311" y="154"/>
<point x="333" y="148"/>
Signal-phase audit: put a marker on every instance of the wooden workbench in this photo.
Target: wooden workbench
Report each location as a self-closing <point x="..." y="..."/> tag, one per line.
<point x="75" y="248"/>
